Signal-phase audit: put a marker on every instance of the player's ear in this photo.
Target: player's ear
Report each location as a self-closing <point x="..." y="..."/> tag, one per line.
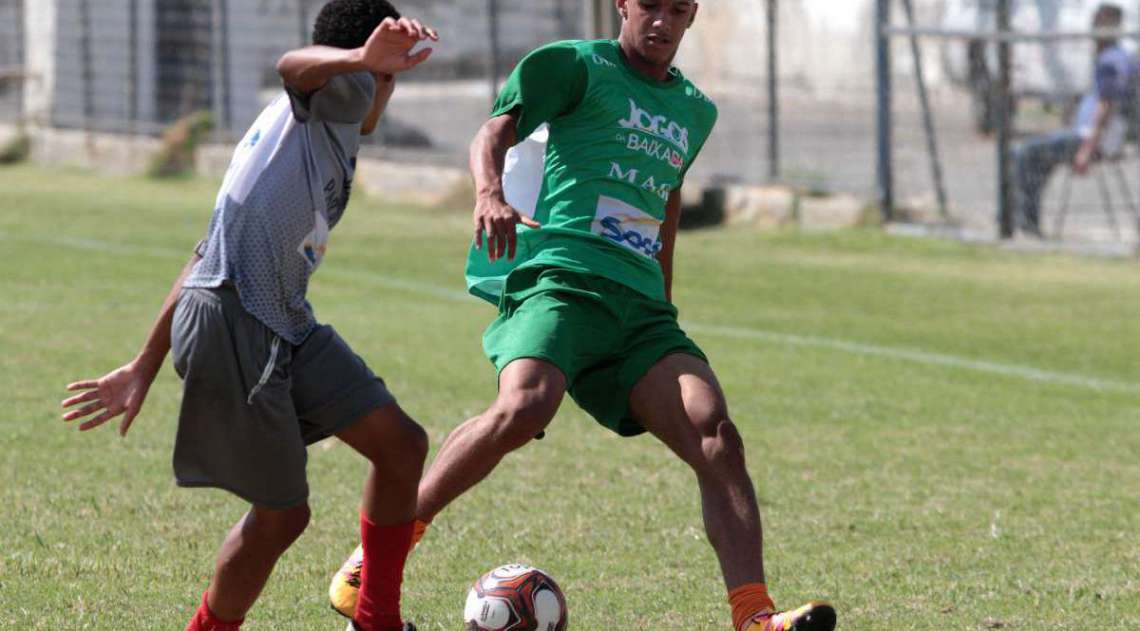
<point x="622" y="8"/>
<point x="693" y="17"/>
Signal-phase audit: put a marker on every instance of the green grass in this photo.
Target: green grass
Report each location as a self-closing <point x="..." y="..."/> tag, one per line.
<point x="915" y="495"/>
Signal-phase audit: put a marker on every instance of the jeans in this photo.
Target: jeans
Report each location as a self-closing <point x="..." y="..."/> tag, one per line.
<point x="1033" y="161"/>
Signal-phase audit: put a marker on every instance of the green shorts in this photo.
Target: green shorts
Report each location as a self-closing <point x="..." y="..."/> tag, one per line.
<point x="602" y="335"/>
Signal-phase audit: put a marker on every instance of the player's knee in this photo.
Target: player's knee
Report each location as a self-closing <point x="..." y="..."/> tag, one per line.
<point x="418" y="443"/>
<point x="722" y="448"/>
<point x="517" y="418"/>
<point x="402" y="459"/>
<point x="415" y="444"/>
<point x="281" y="527"/>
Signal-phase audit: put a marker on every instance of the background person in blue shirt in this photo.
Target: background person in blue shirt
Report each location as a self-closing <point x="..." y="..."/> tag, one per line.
<point x="1099" y="127"/>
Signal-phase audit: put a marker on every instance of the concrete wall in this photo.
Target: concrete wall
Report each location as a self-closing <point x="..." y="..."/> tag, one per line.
<point x="11" y="57"/>
<point x="825" y="47"/>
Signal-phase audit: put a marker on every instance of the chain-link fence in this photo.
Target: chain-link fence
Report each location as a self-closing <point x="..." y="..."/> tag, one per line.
<point x="138" y="65"/>
<point x="808" y="98"/>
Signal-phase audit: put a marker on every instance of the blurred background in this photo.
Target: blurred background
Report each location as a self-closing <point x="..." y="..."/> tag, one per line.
<point x="834" y="113"/>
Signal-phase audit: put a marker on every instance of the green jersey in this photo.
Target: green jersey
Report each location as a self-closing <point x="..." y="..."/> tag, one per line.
<point x="619" y="143"/>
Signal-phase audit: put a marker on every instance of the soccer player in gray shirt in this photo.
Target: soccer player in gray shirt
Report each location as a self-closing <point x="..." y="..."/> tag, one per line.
<point x="262" y="379"/>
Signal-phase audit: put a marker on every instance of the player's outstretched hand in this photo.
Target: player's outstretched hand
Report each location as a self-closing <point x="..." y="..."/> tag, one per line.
<point x="496" y="219"/>
<point x="121" y="391"/>
<point x="389" y="48"/>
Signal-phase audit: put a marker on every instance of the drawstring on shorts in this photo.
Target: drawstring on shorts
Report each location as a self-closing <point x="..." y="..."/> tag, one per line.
<point x="267" y="372"/>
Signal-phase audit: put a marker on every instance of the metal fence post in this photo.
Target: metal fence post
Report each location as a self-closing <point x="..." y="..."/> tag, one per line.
<point x="303" y="22"/>
<point x="226" y="121"/>
<point x="85" y="67"/>
<point x="1005" y="190"/>
<point x="493" y="27"/>
<point x="773" y="94"/>
<point x="927" y="117"/>
<point x="133" y="65"/>
<point x="884" y="122"/>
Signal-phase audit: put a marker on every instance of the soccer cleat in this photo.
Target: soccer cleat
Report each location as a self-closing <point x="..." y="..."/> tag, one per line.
<point x="814" y="616"/>
<point x="345" y="584"/>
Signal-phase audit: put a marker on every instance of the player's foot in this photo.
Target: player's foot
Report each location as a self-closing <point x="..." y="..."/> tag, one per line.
<point x="814" y="616"/>
<point x="345" y="584"/>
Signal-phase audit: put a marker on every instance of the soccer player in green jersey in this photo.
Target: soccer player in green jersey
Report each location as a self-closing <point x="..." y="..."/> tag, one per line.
<point x="583" y="283"/>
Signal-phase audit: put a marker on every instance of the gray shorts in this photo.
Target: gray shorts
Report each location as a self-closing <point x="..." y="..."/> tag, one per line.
<point x="252" y="402"/>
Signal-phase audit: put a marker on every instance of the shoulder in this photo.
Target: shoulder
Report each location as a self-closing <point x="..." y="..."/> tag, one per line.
<point x="352" y="85"/>
<point x="1113" y="57"/>
<point x="565" y="52"/>
<point x="697" y="99"/>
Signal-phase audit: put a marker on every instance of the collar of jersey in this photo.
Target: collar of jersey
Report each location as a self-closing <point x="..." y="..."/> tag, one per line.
<point x="675" y="79"/>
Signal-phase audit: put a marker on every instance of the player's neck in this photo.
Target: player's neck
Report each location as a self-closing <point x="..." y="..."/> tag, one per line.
<point x="641" y="65"/>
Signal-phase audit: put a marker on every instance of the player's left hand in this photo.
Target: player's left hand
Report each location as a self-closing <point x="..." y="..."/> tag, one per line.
<point x="121" y="391"/>
<point x="388" y="49"/>
<point x="1083" y="160"/>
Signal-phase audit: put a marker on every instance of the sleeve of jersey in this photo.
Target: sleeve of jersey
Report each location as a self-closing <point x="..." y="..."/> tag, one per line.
<point x="548" y="83"/>
<point x="345" y="98"/>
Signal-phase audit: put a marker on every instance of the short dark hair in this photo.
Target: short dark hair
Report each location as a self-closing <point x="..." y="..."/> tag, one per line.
<point x="349" y="23"/>
<point x="1109" y="13"/>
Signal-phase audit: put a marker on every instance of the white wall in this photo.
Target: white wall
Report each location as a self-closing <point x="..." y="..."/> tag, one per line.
<point x="39" y="59"/>
<point x="825" y="47"/>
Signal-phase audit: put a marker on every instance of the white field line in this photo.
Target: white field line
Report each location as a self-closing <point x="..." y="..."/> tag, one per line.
<point x="916" y="356"/>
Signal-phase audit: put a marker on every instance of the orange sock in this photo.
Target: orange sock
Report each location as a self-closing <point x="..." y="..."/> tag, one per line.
<point x="747" y="601"/>
<point x="418" y="530"/>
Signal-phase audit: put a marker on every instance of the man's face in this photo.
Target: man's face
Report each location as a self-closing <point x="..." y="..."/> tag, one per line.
<point x="1105" y="19"/>
<point x="655" y="27"/>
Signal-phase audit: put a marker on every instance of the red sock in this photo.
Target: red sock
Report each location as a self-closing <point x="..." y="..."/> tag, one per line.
<point x="205" y="620"/>
<point x="385" y="551"/>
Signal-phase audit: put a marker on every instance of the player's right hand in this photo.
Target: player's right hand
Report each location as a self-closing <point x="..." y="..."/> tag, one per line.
<point x="388" y="49"/>
<point x="121" y="391"/>
<point x="496" y="219"/>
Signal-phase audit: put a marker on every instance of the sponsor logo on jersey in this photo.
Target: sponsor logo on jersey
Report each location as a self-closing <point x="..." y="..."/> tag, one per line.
<point x="655" y="149"/>
<point x="658" y="126"/>
<point x="315" y="244"/>
<point x="627" y="226"/>
<point x="633" y="177"/>
<point x="691" y="90"/>
<point x="602" y="61"/>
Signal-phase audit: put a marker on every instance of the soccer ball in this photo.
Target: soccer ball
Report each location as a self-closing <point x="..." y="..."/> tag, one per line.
<point x="515" y="598"/>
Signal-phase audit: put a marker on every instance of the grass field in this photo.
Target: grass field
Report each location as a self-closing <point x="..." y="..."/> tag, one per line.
<point x="942" y="436"/>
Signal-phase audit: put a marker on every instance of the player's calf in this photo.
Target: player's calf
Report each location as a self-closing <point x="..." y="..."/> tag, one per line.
<point x="246" y="560"/>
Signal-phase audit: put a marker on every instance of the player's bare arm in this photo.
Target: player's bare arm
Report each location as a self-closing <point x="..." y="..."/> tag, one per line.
<point x="387" y="52"/>
<point x="668" y="239"/>
<point x="123" y="390"/>
<point x="493" y="216"/>
<point x="385" y="86"/>
<point x="1105" y="110"/>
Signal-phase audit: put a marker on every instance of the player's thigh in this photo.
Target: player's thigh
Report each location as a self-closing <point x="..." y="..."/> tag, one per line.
<point x="530" y="392"/>
<point x="552" y="315"/>
<point x="680" y="402"/>
<point x="333" y="389"/>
